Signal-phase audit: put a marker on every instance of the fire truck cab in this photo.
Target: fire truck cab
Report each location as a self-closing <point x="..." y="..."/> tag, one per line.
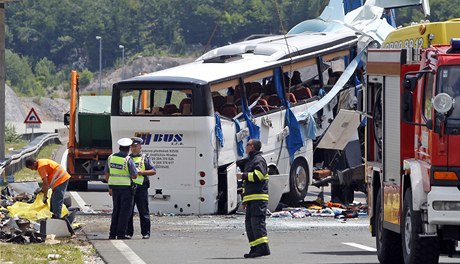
<point x="412" y="104"/>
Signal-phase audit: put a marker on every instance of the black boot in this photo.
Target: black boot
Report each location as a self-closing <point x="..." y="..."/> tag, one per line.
<point x="265" y="249"/>
<point x="249" y="254"/>
<point x="259" y="251"/>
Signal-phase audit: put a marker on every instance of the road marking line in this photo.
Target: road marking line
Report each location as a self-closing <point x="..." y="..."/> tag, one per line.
<point x="127" y="252"/>
<point x="360" y="246"/>
<point x="84" y="208"/>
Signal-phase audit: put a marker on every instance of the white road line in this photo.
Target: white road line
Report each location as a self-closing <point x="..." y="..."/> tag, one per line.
<point x="127" y="252"/>
<point x="360" y="246"/>
<point x="84" y="208"/>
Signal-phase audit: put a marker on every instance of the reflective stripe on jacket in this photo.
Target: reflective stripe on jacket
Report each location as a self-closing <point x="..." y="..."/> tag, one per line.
<point x="140" y="165"/>
<point x="118" y="170"/>
<point x="255" y="178"/>
<point x="55" y="174"/>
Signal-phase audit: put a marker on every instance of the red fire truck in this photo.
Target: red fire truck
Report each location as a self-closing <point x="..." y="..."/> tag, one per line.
<point x="412" y="154"/>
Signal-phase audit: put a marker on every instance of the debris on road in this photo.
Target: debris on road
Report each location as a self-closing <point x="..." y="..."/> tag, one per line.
<point x="24" y="217"/>
<point x="318" y="208"/>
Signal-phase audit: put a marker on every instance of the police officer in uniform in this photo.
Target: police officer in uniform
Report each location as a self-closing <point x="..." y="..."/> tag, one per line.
<point x="255" y="199"/>
<point x="145" y="168"/>
<point x="120" y="171"/>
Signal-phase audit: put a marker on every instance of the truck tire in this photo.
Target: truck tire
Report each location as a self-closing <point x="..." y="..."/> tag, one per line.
<point x="388" y="243"/>
<point x="298" y="181"/>
<point x="72" y="186"/>
<point x="416" y="249"/>
<point x="82" y="186"/>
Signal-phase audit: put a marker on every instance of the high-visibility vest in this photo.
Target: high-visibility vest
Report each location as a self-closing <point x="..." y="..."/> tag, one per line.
<point x="55" y="174"/>
<point x="119" y="172"/>
<point x="140" y="165"/>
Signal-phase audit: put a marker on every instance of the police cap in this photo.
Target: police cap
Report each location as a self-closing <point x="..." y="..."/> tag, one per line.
<point x="125" y="142"/>
<point x="137" y="140"/>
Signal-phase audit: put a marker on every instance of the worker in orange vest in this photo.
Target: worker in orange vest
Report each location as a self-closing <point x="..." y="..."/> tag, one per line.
<point x="54" y="176"/>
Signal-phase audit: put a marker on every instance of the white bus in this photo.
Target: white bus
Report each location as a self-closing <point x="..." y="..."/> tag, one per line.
<point x="196" y="118"/>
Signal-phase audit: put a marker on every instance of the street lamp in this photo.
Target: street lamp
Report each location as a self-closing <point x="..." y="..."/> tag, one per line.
<point x="100" y="63"/>
<point x="123" y="61"/>
<point x="141" y="63"/>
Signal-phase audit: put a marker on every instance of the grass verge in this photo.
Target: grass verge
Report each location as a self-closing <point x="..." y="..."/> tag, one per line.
<point x="14" y="146"/>
<point x="38" y="253"/>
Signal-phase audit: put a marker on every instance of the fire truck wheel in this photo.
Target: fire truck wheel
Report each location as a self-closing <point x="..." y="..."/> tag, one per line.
<point x="416" y="249"/>
<point x="388" y="243"/>
<point x="298" y="181"/>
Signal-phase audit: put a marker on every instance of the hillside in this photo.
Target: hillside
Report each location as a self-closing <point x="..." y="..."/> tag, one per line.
<point x="53" y="109"/>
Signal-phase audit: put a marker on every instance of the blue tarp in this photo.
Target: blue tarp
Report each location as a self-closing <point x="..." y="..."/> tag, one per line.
<point x="294" y="140"/>
<point x="218" y="130"/>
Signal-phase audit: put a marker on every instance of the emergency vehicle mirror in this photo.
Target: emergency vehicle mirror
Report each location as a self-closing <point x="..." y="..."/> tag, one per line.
<point x="442" y="103"/>
<point x="410" y="82"/>
<point x="67" y="119"/>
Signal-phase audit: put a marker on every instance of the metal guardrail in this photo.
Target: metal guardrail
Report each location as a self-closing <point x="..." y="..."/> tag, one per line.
<point x="16" y="160"/>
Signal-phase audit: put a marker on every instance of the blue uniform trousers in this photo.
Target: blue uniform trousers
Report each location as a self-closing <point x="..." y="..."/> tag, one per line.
<point x="122" y="198"/>
<point x="141" y="200"/>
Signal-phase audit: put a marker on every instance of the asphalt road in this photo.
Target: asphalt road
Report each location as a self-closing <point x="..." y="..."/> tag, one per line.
<point x="221" y="239"/>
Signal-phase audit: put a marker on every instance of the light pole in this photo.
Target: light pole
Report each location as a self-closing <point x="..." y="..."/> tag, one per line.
<point x="123" y="61"/>
<point x="100" y="63"/>
<point x="141" y="63"/>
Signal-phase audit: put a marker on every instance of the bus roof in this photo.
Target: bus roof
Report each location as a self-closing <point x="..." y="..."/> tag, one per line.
<point x="253" y="56"/>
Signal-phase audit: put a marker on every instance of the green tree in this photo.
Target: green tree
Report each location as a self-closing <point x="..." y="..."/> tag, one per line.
<point x="18" y="71"/>
<point x="11" y="135"/>
<point x="45" y="72"/>
<point x="85" y="77"/>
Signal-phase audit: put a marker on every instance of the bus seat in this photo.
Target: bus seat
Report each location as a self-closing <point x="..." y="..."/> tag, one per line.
<point x="292" y="98"/>
<point x="237" y="93"/>
<point x="186" y="109"/>
<point x="260" y="107"/>
<point x="218" y="102"/>
<point x="274" y="100"/>
<point x="256" y="88"/>
<point x="170" y="109"/>
<point x="268" y="89"/>
<point x="157" y="110"/>
<point x="253" y="98"/>
<point x="302" y="93"/>
<point x="229" y="110"/>
<point x="184" y="101"/>
<point x="238" y="101"/>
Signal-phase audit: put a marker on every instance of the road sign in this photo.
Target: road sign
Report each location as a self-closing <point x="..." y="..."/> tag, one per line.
<point x="33" y="125"/>
<point x="32" y="118"/>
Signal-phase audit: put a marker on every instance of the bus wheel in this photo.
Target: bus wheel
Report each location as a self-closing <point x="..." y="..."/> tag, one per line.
<point x="298" y="181"/>
<point x="416" y="249"/>
<point x="388" y="243"/>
